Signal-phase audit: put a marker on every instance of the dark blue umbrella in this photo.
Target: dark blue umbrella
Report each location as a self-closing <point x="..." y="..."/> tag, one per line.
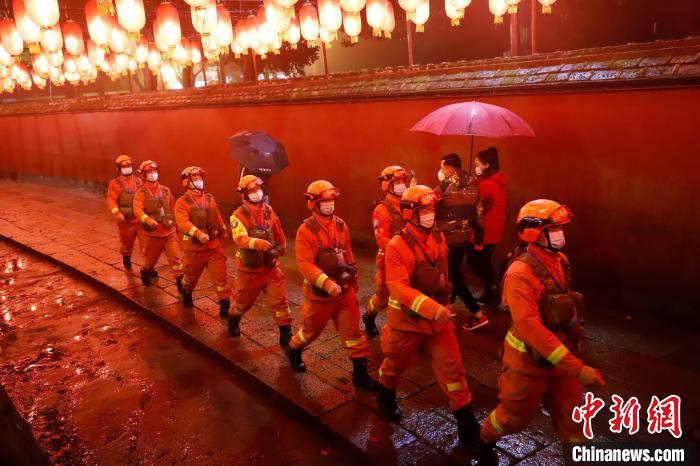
<point x="259" y="152"/>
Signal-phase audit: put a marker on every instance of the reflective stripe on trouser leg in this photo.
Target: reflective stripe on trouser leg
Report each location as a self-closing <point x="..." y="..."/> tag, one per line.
<point x="399" y="348"/>
<point x="128" y="232"/>
<point x="192" y="266"/>
<point x="152" y="248"/>
<point x="247" y="288"/>
<point x="173" y="253"/>
<point x="447" y="364"/>
<point x="314" y="317"/>
<point x="276" y="293"/>
<point x="346" y="317"/>
<point x="216" y="268"/>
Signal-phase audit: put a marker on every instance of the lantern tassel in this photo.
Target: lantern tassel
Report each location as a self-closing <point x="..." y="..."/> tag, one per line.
<point x="34" y="47"/>
<point x="498" y="20"/>
<point x="387" y="34"/>
<point x="293" y="46"/>
<point x="105" y="7"/>
<point x="354" y="40"/>
<point x="454" y="22"/>
<point x="289" y="11"/>
<point x="237" y="56"/>
<point x="377" y="32"/>
<point x="420" y="28"/>
<point x="135" y="36"/>
<point x="513" y="9"/>
<point x="546" y="9"/>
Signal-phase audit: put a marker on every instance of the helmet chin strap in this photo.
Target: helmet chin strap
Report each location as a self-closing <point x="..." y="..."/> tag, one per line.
<point x="415" y="216"/>
<point x="548" y="246"/>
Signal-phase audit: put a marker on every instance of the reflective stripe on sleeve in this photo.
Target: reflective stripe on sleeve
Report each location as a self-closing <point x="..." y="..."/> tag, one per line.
<point x="394" y="303"/>
<point x="300" y="334"/>
<point x="115" y="210"/>
<point x="515" y="342"/>
<point x="251" y="243"/>
<point x="177" y="267"/>
<point x="352" y="343"/>
<point x="192" y="231"/>
<point x="144" y="217"/>
<point x="321" y="280"/>
<point x="557" y="355"/>
<point x="415" y="305"/>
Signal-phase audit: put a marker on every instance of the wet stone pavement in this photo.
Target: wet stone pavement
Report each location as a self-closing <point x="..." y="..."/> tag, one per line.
<point x="101" y="383"/>
<point x="639" y="355"/>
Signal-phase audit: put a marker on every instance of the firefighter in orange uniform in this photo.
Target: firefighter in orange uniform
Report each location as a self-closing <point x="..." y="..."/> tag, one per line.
<point x="324" y="257"/>
<point x="120" y="199"/>
<point x="386" y="221"/>
<point x="539" y="362"/>
<point x="200" y="222"/>
<point x="257" y="231"/>
<point x="153" y="206"/>
<point x="419" y="315"/>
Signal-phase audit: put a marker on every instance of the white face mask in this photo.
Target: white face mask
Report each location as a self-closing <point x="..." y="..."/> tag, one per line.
<point x="326" y="207"/>
<point x="399" y="189"/>
<point x="556" y="239"/>
<point x="126" y="171"/>
<point x="198" y="184"/>
<point x="441" y="176"/>
<point x="256" y="196"/>
<point x="477" y="170"/>
<point x="427" y="220"/>
<point x="152" y="177"/>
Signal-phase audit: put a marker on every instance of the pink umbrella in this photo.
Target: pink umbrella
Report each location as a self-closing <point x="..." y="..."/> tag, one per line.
<point x="474" y="119"/>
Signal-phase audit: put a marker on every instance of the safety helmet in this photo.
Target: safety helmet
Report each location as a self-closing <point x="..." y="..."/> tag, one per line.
<point x="123" y="159"/>
<point x="415" y="197"/>
<point x="146" y="166"/>
<point x="188" y="173"/>
<point x="247" y="183"/>
<point x="537" y="215"/>
<point x="320" y="190"/>
<point x="390" y="174"/>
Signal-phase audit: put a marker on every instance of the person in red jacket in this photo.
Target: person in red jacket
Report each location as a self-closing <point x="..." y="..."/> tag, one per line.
<point x="199" y="220"/>
<point x="419" y="313"/>
<point x="540" y="366"/>
<point x="386" y="222"/>
<point x="325" y="260"/>
<point x="492" y="192"/>
<point x="120" y="199"/>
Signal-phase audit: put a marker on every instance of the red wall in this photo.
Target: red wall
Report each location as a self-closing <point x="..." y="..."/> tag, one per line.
<point x="625" y="161"/>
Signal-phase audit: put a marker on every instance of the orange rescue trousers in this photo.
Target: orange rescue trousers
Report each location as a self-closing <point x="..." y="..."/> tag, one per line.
<point x="520" y="396"/>
<point x="214" y="260"/>
<point x="248" y="287"/>
<point x="400" y="347"/>
<point x="153" y="246"/>
<point x="345" y="312"/>
<point x="380" y="299"/>
<point x="128" y="232"/>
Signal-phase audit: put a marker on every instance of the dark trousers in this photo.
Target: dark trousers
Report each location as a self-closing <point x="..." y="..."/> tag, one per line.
<point x="480" y="263"/>
<point x="455" y="259"/>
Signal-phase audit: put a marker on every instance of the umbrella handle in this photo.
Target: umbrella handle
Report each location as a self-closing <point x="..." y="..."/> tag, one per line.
<point x="471" y="153"/>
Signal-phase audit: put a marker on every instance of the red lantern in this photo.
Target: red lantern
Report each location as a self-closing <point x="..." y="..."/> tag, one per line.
<point x="43" y="13"/>
<point x="276" y="16"/>
<point x="204" y="18"/>
<point x="30" y="32"/>
<point x="352" y="25"/>
<point x="547" y="6"/>
<point x="118" y="38"/>
<point x="141" y="53"/>
<point x="96" y="54"/>
<point x="288" y="6"/>
<point x="308" y="23"/>
<point x="376" y="15"/>
<point x="422" y="14"/>
<point x="131" y="16"/>
<point x="390" y="22"/>
<point x="265" y="31"/>
<point x="251" y="28"/>
<point x="51" y="39"/>
<point x="293" y="33"/>
<point x="512" y="6"/>
<point x="168" y="24"/>
<point x="498" y="8"/>
<point x="241" y="35"/>
<point x="224" y="28"/>
<point x="330" y="16"/>
<point x="409" y="7"/>
<point x="73" y="38"/>
<point x="41" y="64"/>
<point x="9" y="35"/>
<point x="99" y="26"/>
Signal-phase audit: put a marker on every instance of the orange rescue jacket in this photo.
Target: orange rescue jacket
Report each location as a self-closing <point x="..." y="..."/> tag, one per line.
<point x="522" y="293"/>
<point x="120" y="196"/>
<point x="194" y="211"/>
<point x="252" y="222"/>
<point x="156" y="201"/>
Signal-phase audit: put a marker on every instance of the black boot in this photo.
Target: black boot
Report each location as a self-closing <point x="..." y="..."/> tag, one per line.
<point x="388" y="406"/>
<point x="467" y="426"/>
<point x="295" y="361"/>
<point x="187" y="299"/>
<point x="178" y="284"/>
<point x="146" y="277"/>
<point x="360" y="377"/>
<point x="126" y="260"/>
<point x="234" y="328"/>
<point x="224" y="306"/>
<point x="285" y="335"/>
<point x="485" y="453"/>
<point x="370" y="325"/>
